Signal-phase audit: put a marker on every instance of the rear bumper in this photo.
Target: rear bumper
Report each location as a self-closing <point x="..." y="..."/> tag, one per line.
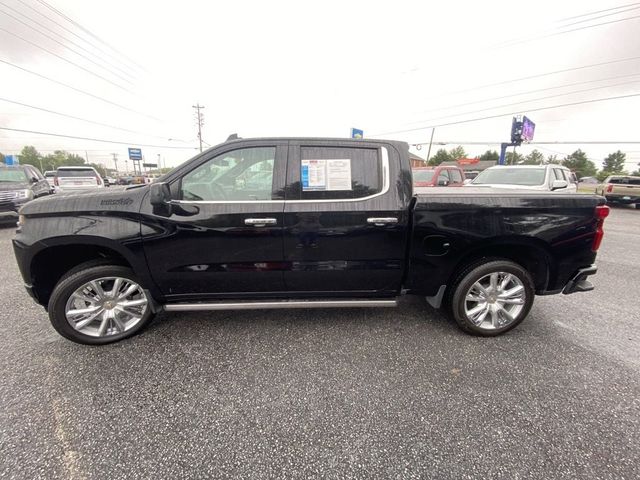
<point x="629" y="199"/>
<point x="579" y="282"/>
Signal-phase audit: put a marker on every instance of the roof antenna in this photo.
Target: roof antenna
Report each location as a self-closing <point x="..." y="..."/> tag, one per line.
<point x="233" y="136"/>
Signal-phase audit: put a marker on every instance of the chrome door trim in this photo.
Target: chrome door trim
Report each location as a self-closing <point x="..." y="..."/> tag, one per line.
<point x="195" y="307"/>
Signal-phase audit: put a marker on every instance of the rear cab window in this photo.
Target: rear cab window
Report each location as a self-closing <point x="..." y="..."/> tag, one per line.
<point x="76" y="172"/>
<point x="335" y="173"/>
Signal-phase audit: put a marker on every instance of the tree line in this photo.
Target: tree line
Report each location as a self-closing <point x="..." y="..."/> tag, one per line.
<point x="59" y="158"/>
<point x="578" y="162"/>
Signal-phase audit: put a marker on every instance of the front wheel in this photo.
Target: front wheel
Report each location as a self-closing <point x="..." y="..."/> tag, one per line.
<point x="99" y="304"/>
<point x="491" y="297"/>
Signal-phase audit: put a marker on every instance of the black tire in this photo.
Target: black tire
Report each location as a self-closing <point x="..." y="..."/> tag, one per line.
<point x="73" y="280"/>
<point x="637" y="206"/>
<point x="456" y="298"/>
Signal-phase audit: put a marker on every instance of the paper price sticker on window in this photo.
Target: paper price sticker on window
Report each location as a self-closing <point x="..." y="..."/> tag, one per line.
<point x="326" y="175"/>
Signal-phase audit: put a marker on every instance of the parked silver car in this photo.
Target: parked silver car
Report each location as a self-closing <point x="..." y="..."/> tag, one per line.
<point x="550" y="178"/>
<point x="73" y="179"/>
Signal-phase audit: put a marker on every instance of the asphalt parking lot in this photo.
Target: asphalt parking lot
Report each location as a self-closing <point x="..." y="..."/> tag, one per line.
<point x="389" y="393"/>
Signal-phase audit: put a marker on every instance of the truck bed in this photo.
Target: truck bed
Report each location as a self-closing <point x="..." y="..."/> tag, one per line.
<point x="453" y="225"/>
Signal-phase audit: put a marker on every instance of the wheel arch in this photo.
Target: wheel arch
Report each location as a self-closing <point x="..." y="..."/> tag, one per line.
<point x="530" y="253"/>
<point x="53" y="259"/>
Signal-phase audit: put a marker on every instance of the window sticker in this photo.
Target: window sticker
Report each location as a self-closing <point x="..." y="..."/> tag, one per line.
<point x="326" y="175"/>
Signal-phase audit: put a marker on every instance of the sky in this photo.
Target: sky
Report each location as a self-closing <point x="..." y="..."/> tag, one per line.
<point x="133" y="71"/>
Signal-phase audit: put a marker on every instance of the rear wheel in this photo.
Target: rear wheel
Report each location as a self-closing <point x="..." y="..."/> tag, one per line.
<point x="491" y="297"/>
<point x="99" y="304"/>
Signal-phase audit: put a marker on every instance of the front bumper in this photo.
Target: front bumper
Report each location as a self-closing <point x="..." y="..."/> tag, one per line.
<point x="579" y="282"/>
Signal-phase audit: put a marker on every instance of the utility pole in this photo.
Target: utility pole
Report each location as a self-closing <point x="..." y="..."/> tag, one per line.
<point x="115" y="161"/>
<point x="200" y="120"/>
<point x="433" y="130"/>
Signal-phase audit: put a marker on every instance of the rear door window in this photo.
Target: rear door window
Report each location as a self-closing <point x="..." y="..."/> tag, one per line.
<point x="336" y="173"/>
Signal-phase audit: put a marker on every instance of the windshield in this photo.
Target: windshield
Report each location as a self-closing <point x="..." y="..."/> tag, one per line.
<point x="423" y="175"/>
<point x="76" y="172"/>
<point x="511" y="176"/>
<point x="13" y="175"/>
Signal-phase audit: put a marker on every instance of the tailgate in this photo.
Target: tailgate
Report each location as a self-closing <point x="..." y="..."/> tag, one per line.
<point x="630" y="190"/>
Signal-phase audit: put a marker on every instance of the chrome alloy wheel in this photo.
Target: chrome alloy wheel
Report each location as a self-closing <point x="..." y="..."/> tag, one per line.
<point x="106" y="306"/>
<point x="495" y="300"/>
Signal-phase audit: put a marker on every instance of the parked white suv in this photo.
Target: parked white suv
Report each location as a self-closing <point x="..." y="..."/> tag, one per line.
<point x="73" y="179"/>
<point x="550" y="178"/>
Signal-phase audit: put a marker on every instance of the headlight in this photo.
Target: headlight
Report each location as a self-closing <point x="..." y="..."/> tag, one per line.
<point x="21" y="219"/>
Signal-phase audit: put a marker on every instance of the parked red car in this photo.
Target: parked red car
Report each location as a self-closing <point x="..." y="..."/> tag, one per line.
<point x="437" y="177"/>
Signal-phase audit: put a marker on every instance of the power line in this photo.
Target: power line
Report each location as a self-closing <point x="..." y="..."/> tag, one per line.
<point x="599" y="11"/>
<point x="65" y="59"/>
<point x="529" y="92"/>
<point x="508" y="113"/>
<point x="52" y="20"/>
<point x="538" y="75"/>
<point x="115" y="142"/>
<point x="78" y="118"/>
<point x="516" y="41"/>
<point x="65" y="45"/>
<point x="89" y="32"/>
<point x="600" y="16"/>
<point x="84" y="92"/>
<point x="526" y="101"/>
<point x="539" y="37"/>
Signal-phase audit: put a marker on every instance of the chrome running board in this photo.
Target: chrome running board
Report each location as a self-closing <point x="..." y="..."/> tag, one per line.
<point x="202" y="306"/>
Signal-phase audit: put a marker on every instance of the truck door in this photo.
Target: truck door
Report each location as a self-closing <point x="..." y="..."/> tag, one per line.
<point x="223" y="233"/>
<point x="345" y="220"/>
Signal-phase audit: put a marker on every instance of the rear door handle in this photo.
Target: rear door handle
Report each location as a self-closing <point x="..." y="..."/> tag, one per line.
<point x="382" y="221"/>
<point x="259" y="222"/>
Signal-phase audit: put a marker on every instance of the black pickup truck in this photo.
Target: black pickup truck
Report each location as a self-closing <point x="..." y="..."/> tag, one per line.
<point x="300" y="223"/>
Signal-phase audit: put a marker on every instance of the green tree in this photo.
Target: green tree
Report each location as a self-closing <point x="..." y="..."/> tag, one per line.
<point x="451" y="156"/>
<point x="534" y="158"/>
<point x="72" y="160"/>
<point x="30" y="156"/>
<point x="490" y="155"/>
<point x="614" y="162"/>
<point x="457" y="153"/>
<point x="578" y="163"/>
<point x="514" y="159"/>
<point x="440" y="156"/>
<point x="1" y="158"/>
<point x="99" y="168"/>
<point x="636" y="173"/>
<point x="553" y="159"/>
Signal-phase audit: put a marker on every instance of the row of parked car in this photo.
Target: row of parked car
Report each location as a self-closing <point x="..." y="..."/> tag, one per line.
<point x="617" y="189"/>
<point x="22" y="183"/>
<point x="554" y="178"/>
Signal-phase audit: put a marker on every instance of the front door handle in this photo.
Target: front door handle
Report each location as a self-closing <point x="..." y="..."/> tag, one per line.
<point x="259" y="222"/>
<point x="382" y="221"/>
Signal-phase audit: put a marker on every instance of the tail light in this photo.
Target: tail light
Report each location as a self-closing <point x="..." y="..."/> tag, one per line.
<point x="609" y="189"/>
<point x="98" y="179"/>
<point x="602" y="212"/>
<point x="55" y="181"/>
